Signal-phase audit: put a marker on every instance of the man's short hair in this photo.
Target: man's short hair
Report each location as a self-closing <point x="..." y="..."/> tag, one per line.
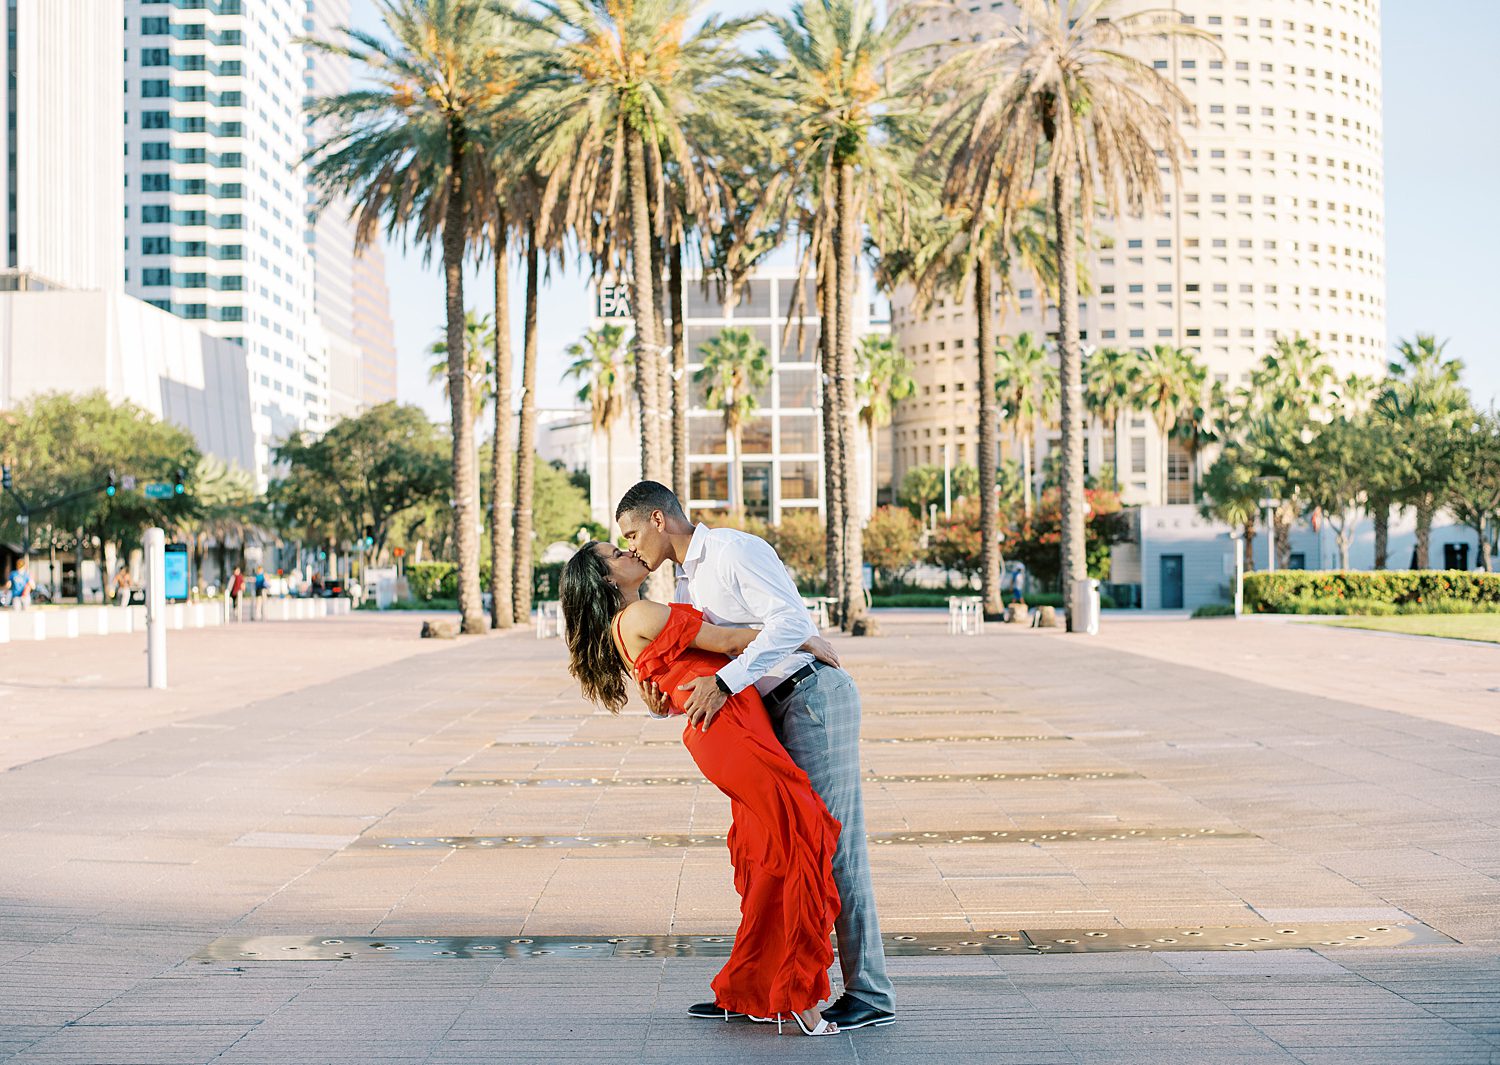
<point x="647" y="496"/>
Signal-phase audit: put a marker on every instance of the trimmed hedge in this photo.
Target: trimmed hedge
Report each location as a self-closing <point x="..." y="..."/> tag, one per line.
<point x="1370" y="591"/>
<point x="439" y="580"/>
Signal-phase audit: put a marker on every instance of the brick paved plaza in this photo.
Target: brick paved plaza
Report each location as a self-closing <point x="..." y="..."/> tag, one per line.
<point x="181" y="872"/>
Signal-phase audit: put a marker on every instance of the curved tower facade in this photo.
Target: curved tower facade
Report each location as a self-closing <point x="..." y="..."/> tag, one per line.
<point x="1276" y="228"/>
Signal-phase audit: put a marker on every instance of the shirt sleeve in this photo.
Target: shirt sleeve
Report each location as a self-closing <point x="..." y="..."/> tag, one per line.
<point x="757" y="579"/>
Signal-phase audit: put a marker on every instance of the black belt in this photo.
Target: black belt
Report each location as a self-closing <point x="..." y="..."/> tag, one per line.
<point x="785" y="688"/>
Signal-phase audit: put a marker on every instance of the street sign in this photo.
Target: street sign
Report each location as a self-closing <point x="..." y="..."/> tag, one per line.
<point x="127" y="483"/>
<point x="158" y="490"/>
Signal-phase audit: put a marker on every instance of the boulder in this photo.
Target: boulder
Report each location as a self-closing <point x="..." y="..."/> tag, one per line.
<point x="865" y="626"/>
<point x="1017" y="613"/>
<point x="439" y="630"/>
<point x="1046" y="618"/>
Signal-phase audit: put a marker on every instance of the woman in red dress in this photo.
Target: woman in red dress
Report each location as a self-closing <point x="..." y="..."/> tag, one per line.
<point x="782" y="838"/>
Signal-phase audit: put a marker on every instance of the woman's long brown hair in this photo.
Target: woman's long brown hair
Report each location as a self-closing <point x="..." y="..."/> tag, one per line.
<point x="590" y="602"/>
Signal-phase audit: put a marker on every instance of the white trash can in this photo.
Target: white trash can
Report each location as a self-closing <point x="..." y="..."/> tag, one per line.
<point x="1085" y="607"/>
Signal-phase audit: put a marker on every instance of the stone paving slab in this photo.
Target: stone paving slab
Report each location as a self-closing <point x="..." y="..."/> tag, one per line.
<point x="153" y="829"/>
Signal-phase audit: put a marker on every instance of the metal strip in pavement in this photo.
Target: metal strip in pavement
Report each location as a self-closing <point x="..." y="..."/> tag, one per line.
<point x="871" y="778"/>
<point x="866" y="739"/>
<point x="719" y="839"/>
<point x="244" y="949"/>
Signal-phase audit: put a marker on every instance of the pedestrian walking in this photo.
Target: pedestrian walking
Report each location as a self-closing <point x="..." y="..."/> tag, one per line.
<point x="236" y="589"/>
<point x="22" y="584"/>
<point x="261" y="592"/>
<point x="123" y="584"/>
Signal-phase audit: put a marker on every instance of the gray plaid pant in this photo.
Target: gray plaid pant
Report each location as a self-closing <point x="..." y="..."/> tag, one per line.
<point x="818" y="724"/>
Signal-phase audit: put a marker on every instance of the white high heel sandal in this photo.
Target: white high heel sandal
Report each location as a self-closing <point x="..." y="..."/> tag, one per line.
<point x="823" y="1027"/>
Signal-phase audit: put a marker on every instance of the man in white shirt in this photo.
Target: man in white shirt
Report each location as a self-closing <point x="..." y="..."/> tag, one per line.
<point x="737" y="579"/>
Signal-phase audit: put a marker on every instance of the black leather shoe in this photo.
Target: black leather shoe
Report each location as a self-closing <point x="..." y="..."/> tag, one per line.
<point x="712" y="1011"/>
<point x="850" y="1013"/>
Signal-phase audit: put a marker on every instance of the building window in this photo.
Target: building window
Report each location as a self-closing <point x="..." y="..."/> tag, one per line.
<point x="799" y="480"/>
<point x="1137" y="454"/>
<point x="153" y="278"/>
<point x="156" y="212"/>
<point x="156" y="246"/>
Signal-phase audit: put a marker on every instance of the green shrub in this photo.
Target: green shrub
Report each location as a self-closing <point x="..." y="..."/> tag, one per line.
<point x="910" y="599"/>
<point x="1215" y="610"/>
<point x="1336" y="591"/>
<point x="439" y="580"/>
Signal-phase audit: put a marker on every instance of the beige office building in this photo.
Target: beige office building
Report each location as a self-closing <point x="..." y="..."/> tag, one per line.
<point x="1276" y="228"/>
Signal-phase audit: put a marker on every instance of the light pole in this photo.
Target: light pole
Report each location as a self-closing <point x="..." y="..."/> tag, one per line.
<point x="947" y="484"/>
<point x="1238" y="539"/>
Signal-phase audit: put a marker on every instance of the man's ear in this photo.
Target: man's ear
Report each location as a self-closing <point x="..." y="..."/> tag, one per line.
<point x="659" y="519"/>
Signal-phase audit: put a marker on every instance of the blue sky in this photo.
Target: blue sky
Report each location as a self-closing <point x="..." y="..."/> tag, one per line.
<point x="1442" y="147"/>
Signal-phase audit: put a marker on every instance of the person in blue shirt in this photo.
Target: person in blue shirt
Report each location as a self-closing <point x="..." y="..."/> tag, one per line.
<point x="21" y="586"/>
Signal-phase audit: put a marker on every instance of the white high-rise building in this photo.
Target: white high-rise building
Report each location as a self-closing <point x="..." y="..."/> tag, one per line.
<point x="216" y="197"/>
<point x="63" y="176"/>
<point x="330" y="233"/>
<point x="1277" y="228"/>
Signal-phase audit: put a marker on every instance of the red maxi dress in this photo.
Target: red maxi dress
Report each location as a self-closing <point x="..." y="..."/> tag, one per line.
<point x="781" y="841"/>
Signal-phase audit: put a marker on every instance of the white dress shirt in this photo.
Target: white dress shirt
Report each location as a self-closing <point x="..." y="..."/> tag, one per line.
<point x="737" y="579"/>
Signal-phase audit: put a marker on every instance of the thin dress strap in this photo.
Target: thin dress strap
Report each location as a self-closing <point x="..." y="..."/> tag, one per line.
<point x="620" y="636"/>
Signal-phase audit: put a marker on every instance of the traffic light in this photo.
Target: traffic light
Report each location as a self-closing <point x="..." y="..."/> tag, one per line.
<point x="180" y="487"/>
<point x="369" y="536"/>
<point x="111" y="482"/>
<point x="5" y="481"/>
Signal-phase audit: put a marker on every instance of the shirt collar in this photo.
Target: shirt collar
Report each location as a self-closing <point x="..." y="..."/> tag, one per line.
<point x="697" y="547"/>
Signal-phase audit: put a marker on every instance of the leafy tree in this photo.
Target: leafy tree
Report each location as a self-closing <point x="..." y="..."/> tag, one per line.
<point x="1026" y="387"/>
<point x="363" y="472"/>
<point x="923" y="486"/>
<point x="1424" y="399"/>
<point x="1065" y="86"/>
<point x="600" y="363"/>
<point x="956" y="544"/>
<point x="893" y="541"/>
<point x="735" y="367"/>
<point x="884" y="379"/>
<point x="408" y="151"/>
<point x="1329" y="473"/>
<point x="846" y="92"/>
<point x="61" y="449"/>
<point x="798" y="539"/>
<point x="1167" y="381"/>
<point x="1035" y="541"/>
<point x="1109" y="390"/>
<point x="1232" y="494"/>
<point x="478" y="334"/>
<point x="1473" y="492"/>
<point x="562" y="508"/>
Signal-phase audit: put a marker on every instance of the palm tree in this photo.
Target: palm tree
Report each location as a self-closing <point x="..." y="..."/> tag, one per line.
<point x="599" y="361"/>
<point x="968" y="251"/>
<point x="1425" y="399"/>
<point x="1166" y="381"/>
<point x="1064" y="86"/>
<point x="405" y="154"/>
<point x="884" y="380"/>
<point x="601" y="109"/>
<point x="1293" y="378"/>
<point x="1109" y="391"/>
<point x="478" y="333"/>
<point x="1025" y="385"/>
<point x="846" y="97"/>
<point x="735" y="365"/>
<point x="1231" y="494"/>
<point x="1202" y="422"/>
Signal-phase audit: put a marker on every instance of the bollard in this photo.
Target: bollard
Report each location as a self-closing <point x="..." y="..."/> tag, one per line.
<point x="155" y="543"/>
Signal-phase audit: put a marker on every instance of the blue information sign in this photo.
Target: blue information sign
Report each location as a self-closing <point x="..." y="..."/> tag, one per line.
<point x="176" y="570"/>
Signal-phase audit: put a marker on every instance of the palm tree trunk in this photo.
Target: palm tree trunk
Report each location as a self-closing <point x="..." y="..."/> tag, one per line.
<point x="465" y="479"/>
<point x="832" y="462"/>
<point x="1026" y="471"/>
<point x="526" y="443"/>
<point x="874" y="466"/>
<point x="1381" y="512"/>
<point x="737" y="472"/>
<point x="502" y="458"/>
<point x="847" y="238"/>
<point x="680" y="482"/>
<point x="989" y="500"/>
<point x="1249" y="531"/>
<point x="643" y="300"/>
<point x="1425" y="507"/>
<point x="1070" y="388"/>
<point x="658" y="306"/>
